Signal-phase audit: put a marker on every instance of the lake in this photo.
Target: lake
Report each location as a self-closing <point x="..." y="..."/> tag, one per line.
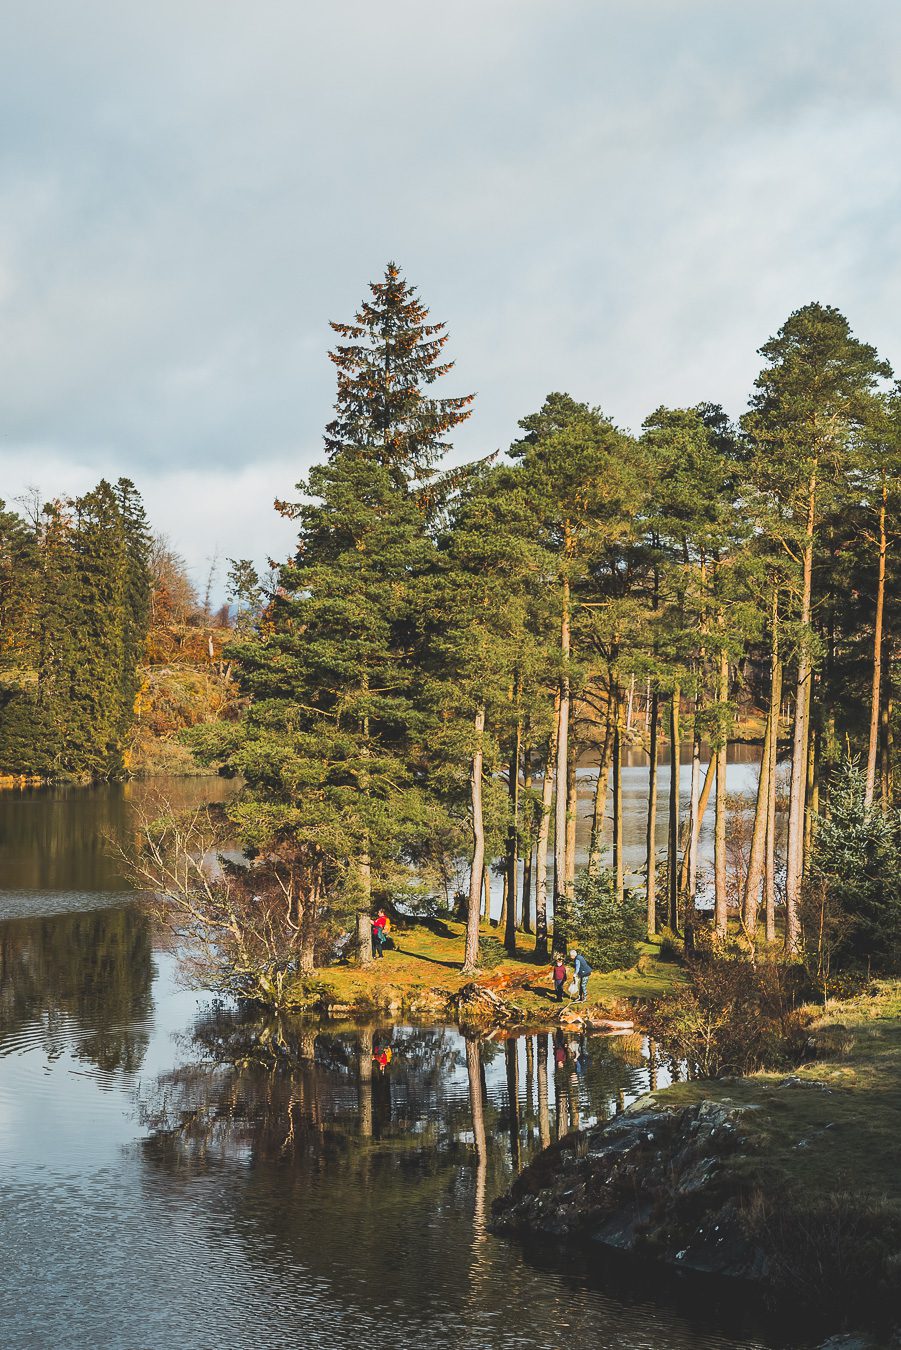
<point x="177" y="1174"/>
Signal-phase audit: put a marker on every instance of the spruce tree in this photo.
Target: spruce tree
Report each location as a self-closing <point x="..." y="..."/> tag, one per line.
<point x="330" y="745"/>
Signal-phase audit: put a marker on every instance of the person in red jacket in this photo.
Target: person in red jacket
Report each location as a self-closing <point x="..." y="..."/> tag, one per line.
<point x="380" y="930"/>
<point x="559" y="973"/>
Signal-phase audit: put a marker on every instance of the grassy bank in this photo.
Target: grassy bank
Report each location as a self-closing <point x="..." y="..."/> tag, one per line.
<point x="792" y="1179"/>
<point x="423" y="975"/>
<point x="832" y="1126"/>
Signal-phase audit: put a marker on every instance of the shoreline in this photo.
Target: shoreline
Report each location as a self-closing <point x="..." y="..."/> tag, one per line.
<point x="789" y="1184"/>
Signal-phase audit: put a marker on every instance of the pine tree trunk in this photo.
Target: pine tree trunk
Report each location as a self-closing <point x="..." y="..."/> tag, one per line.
<point x="476" y="874"/>
<point x="887" y="738"/>
<point x="572" y="803"/>
<point x="673" y="834"/>
<point x="364" y="937"/>
<point x="618" y="879"/>
<point x="501" y="920"/>
<point x="706" y="792"/>
<point x="751" y="895"/>
<point x="694" y="824"/>
<point x="600" y="799"/>
<point x="720" y="900"/>
<point x="812" y="794"/>
<point x="876" y="688"/>
<point x="651" y="848"/>
<point x="513" y="842"/>
<point x="800" y="738"/>
<point x="561" y="894"/>
<point x="487" y="892"/>
<point x="541" y="848"/>
<point x="529" y="855"/>
<point x="769" y="871"/>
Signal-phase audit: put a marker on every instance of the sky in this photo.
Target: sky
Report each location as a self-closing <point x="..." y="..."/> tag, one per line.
<point x="618" y="198"/>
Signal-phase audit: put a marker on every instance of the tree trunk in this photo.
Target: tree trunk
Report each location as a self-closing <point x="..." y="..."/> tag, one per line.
<point x="600" y="799"/>
<point x="364" y="937"/>
<point x="528" y="867"/>
<point x="572" y="812"/>
<point x="694" y="808"/>
<point x="618" y="879"/>
<point x="528" y="873"/>
<point x="720" y="901"/>
<point x="541" y="848"/>
<point x="769" y="871"/>
<point x="651" y="887"/>
<point x="501" y="920"/>
<point x="706" y="791"/>
<point x="887" y="765"/>
<point x="476" y="874"/>
<point x="673" y="846"/>
<point x="796" y="807"/>
<point x="756" y="860"/>
<point x="487" y="892"/>
<point x="812" y="794"/>
<point x="513" y="842"/>
<point x="876" y="688"/>
<point x="561" y="894"/>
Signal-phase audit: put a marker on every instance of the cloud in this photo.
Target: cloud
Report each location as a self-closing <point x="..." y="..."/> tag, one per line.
<point x="619" y="199"/>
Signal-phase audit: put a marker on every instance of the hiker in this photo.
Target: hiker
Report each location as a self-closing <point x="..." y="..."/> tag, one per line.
<point x="581" y="971"/>
<point x="381" y="927"/>
<point x="559" y="973"/>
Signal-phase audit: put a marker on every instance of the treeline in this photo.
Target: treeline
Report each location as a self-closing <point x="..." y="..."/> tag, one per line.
<point x="74" y="614"/>
<point x="446" y="644"/>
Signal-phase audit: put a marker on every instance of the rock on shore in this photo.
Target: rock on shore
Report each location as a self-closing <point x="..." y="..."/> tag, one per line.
<point x="654" y="1181"/>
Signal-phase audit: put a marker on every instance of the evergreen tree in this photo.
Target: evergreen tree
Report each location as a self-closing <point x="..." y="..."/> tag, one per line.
<point x="810" y="398"/>
<point x="330" y="747"/>
<point x="391" y="357"/>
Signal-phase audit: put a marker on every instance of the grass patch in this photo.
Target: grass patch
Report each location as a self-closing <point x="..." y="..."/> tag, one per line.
<point x="427" y="959"/>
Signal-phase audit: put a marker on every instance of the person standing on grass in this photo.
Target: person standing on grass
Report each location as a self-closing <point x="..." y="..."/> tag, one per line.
<point x="380" y="928"/>
<point x="559" y="973"/>
<point x="581" y="971"/>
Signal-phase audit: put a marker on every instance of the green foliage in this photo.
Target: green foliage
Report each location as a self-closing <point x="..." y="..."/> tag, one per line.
<point x="75" y="586"/>
<point x="606" y="931"/>
<point x="852" y="907"/>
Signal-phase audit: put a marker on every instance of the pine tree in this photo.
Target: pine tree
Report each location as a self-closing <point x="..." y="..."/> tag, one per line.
<point x="810" y="397"/>
<point x="330" y="746"/>
<point x="391" y="357"/>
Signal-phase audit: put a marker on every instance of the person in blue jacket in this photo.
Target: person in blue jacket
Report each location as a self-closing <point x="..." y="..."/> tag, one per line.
<point x="581" y="970"/>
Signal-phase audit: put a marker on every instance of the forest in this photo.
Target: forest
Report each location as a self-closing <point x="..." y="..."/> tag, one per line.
<point x="406" y="700"/>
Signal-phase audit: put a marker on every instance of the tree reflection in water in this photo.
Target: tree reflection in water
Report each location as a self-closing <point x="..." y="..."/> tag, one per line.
<point x="79" y="982"/>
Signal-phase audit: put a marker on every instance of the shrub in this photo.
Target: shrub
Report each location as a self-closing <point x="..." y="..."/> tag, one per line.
<point x="851" y="910"/>
<point x="733" y="1017"/>
<point x="606" y="930"/>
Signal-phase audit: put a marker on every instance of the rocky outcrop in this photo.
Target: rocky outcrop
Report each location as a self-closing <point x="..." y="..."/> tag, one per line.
<point x="654" y="1181"/>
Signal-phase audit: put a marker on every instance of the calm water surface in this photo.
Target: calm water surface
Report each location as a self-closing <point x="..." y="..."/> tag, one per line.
<point x="175" y="1175"/>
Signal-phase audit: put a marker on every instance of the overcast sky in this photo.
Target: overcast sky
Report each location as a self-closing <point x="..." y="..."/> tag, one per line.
<point x="622" y="200"/>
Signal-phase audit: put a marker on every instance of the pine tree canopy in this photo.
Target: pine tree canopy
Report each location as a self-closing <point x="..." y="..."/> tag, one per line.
<point x="390" y="357"/>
